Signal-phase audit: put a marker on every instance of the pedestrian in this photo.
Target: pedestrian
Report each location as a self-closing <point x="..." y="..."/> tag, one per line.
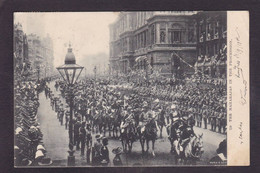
<point x="205" y="118"/>
<point x="77" y="125"/>
<point x="88" y="142"/>
<point x="117" y="159"/>
<point x="104" y="152"/>
<point x="82" y="136"/>
<point x="96" y="151"/>
<point x="67" y="117"/>
<point x="61" y="116"/>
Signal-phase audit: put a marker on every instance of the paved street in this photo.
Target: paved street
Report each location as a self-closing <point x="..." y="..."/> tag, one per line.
<point x="56" y="139"/>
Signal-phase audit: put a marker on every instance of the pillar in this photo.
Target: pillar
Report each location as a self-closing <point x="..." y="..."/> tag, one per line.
<point x="166" y="34"/>
<point x="157" y="33"/>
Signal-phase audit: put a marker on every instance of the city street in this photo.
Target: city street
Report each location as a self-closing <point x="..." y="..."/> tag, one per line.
<point x="56" y="139"/>
<point x="137" y="72"/>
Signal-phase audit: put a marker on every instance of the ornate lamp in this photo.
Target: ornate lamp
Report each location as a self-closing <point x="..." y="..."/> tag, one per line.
<point x="70" y="72"/>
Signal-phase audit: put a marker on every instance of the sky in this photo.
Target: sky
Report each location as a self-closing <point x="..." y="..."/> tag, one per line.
<point x="88" y="32"/>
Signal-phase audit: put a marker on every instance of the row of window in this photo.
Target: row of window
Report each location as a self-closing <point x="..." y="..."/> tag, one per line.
<point x="211" y="49"/>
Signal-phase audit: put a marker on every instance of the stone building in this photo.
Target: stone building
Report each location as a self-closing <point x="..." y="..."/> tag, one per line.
<point x="212" y="43"/>
<point x="166" y="41"/>
<point x="41" y="55"/>
<point x="47" y="44"/>
<point x="20" y="48"/>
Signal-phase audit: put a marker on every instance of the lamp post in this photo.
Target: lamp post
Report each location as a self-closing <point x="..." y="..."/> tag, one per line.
<point x="70" y="72"/>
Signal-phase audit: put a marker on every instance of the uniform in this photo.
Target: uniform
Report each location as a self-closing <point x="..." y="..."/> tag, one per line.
<point x="82" y="136"/>
<point x="76" y="134"/>
<point x="204" y="116"/>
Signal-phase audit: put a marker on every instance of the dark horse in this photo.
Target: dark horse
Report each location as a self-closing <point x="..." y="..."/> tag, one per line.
<point x="161" y="121"/>
<point x="147" y="133"/>
<point x="187" y="146"/>
<point x="116" y="121"/>
<point x="128" y="136"/>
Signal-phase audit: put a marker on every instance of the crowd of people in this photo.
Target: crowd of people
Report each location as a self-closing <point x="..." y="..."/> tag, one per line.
<point x="28" y="149"/>
<point x="98" y="103"/>
<point x="110" y="105"/>
<point x="95" y="150"/>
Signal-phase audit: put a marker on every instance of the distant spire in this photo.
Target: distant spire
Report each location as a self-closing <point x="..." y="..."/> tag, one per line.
<point x="69" y="44"/>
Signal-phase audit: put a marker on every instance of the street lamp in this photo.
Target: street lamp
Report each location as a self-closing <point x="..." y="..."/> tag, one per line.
<point x="70" y="72"/>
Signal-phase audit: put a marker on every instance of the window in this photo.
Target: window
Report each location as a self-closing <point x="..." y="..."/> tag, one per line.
<point x="175" y="36"/>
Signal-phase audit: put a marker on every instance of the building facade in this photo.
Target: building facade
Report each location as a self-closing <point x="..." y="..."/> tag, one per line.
<point x="166" y="41"/>
<point x="212" y="43"/>
<point x="20" y="48"/>
<point x="172" y="43"/>
<point x="40" y="53"/>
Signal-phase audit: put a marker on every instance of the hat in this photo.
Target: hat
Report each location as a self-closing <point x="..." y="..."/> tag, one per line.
<point x="40" y="147"/>
<point x="16" y="148"/>
<point x="156" y="101"/>
<point x="38" y="154"/>
<point x="104" y="162"/>
<point x="117" y="150"/>
<point x="98" y="136"/>
<point x="18" y="130"/>
<point x="175" y="113"/>
<point x="45" y="162"/>
<point x="104" y="140"/>
<point x="173" y="106"/>
<point x="26" y="162"/>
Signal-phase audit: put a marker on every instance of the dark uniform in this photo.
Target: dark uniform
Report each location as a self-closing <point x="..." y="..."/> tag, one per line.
<point x="82" y="136"/>
<point x="204" y="116"/>
<point x="77" y="125"/>
<point x="61" y="116"/>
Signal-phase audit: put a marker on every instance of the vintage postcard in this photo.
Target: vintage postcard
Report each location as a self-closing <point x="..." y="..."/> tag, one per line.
<point x="132" y="88"/>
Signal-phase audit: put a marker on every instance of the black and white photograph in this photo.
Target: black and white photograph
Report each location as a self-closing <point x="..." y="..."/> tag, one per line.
<point x="120" y="89"/>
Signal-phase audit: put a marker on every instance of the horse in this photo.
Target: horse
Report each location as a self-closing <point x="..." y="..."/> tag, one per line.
<point x="171" y="131"/>
<point x="116" y="121"/>
<point x="146" y="134"/>
<point x="193" y="151"/>
<point x="161" y="122"/>
<point x="128" y="136"/>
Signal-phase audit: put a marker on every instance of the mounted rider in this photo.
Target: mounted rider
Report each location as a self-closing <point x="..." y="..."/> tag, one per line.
<point x="151" y="126"/>
<point x="128" y="121"/>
